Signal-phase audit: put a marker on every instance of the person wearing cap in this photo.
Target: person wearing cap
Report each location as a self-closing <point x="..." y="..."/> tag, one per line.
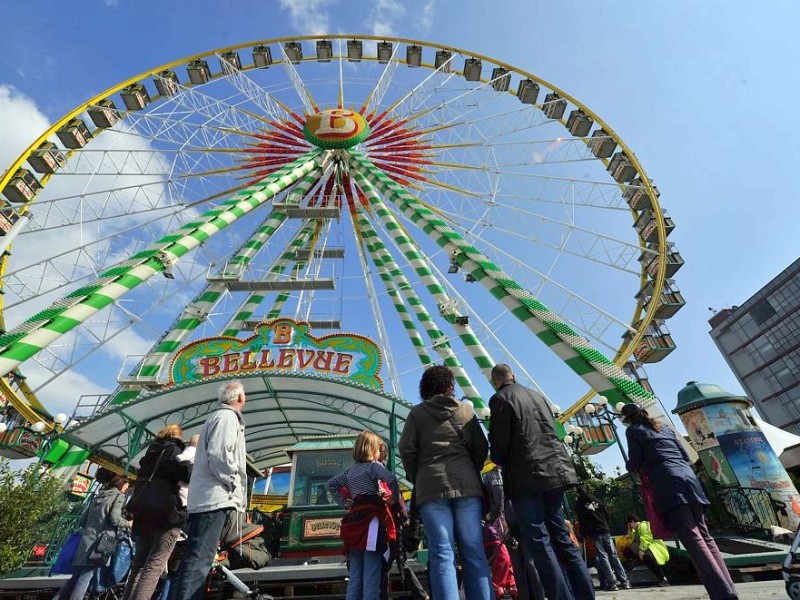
<point x="536" y="471"/>
<point x="677" y="495"/>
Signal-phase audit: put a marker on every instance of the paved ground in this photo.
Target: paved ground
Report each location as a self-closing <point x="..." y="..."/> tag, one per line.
<point x="759" y="590"/>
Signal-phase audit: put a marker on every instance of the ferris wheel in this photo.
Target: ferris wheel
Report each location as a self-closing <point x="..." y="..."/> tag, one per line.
<point x="448" y="205"/>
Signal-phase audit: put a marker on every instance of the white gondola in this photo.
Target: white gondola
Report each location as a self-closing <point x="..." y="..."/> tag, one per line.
<point x="324" y="50"/>
<point x="554" y="106"/>
<point x="501" y="79"/>
<point x="74" y="134"/>
<point x="135" y="96"/>
<point x="472" y="69"/>
<point x="262" y="56"/>
<point x="46" y="158"/>
<point x="167" y="83"/>
<point x="229" y="62"/>
<point x="355" y="50"/>
<point x="621" y="168"/>
<point x="384" y="52"/>
<point x="199" y="72"/>
<point x="442" y="61"/>
<point x="528" y="91"/>
<point x="22" y="187"/>
<point x="104" y="114"/>
<point x="414" y="55"/>
<point x="294" y="51"/>
<point x="602" y="145"/>
<point x="579" y="123"/>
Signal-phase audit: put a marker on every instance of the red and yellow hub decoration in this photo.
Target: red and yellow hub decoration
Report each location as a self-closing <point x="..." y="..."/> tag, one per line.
<point x="336" y="128"/>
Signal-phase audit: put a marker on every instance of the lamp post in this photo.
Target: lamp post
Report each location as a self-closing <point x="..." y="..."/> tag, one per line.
<point x="607" y="415"/>
<point x="29" y="439"/>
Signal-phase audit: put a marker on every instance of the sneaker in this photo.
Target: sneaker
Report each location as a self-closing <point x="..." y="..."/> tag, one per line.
<point x="663" y="583"/>
<point x="626" y="585"/>
<point x="612" y="588"/>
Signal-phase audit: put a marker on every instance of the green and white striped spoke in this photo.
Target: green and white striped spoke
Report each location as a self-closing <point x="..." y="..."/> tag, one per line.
<point x="387" y="272"/>
<point x="46" y="326"/>
<point x="438" y="339"/>
<point x="594" y="368"/>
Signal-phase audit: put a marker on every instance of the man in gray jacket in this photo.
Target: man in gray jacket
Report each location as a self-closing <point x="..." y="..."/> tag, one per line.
<point x="218" y="487"/>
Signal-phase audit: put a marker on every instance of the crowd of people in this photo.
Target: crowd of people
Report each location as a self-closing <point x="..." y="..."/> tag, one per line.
<point x="502" y="533"/>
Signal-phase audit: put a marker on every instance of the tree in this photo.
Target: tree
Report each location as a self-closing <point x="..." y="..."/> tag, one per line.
<point x="30" y="504"/>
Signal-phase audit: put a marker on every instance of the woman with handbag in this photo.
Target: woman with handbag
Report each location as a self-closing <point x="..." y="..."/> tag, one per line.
<point x="677" y="495"/>
<point x="100" y="525"/>
<point x="443" y="448"/>
<point x="158" y="511"/>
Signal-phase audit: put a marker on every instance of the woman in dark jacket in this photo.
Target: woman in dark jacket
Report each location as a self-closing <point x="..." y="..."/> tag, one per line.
<point x="677" y="494"/>
<point x="103" y="518"/>
<point x="443" y="448"/>
<point x="157" y="510"/>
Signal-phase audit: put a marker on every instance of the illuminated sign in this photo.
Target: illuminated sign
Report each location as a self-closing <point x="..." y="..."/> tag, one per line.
<point x="282" y="345"/>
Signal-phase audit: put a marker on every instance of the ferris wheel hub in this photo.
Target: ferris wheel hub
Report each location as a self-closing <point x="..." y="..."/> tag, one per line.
<point x="336" y="128"/>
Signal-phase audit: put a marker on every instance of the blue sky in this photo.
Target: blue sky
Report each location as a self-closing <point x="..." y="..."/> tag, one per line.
<point x="702" y="93"/>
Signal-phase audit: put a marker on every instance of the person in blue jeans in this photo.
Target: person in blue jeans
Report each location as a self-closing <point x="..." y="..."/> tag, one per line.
<point x="366" y="490"/>
<point x="593" y="520"/>
<point x="536" y="471"/>
<point x="217" y="488"/>
<point x="443" y="448"/>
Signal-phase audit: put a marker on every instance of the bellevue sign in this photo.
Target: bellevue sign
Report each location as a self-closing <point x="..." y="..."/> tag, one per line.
<point x="281" y="345"/>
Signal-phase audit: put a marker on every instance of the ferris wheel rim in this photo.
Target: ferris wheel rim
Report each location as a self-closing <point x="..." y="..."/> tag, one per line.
<point x="641" y="319"/>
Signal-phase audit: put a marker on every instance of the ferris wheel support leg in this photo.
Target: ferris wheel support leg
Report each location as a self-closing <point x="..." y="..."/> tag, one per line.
<point x="437" y="337"/>
<point x="48" y="325"/>
<point x="254" y="299"/>
<point x="373" y="243"/>
<point x="447" y="305"/>
<point x="594" y="368"/>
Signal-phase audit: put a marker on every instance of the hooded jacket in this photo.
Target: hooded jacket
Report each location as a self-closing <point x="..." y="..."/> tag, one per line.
<point x="592" y="515"/>
<point x="160" y="485"/>
<point x="436" y="460"/>
<point x="525" y="444"/>
<point x="219" y="477"/>
<point x="103" y="514"/>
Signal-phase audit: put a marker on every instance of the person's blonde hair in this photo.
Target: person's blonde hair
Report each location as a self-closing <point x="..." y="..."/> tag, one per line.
<point x="172" y="430"/>
<point x="367" y="447"/>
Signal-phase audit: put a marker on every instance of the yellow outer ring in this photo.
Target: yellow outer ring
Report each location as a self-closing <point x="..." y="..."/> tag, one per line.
<point x="625" y="351"/>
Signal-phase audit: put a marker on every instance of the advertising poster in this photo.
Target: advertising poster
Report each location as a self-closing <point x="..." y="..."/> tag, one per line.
<point x="729" y="418"/>
<point x="700" y="432"/>
<point x="754" y="461"/>
<point x="717" y="467"/>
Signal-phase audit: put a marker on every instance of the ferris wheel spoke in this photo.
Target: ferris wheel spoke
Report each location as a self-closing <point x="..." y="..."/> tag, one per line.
<point x="305" y="96"/>
<point x="427" y="86"/>
<point x="253" y="91"/>
<point x="589" y="244"/>
<point x="41" y="329"/>
<point x="576" y="351"/>
<point x="375" y="96"/>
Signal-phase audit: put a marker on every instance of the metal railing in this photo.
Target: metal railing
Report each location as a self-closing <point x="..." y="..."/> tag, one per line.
<point x="751" y="508"/>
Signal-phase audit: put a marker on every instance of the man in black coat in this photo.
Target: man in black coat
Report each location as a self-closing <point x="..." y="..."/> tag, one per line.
<point x="536" y="471"/>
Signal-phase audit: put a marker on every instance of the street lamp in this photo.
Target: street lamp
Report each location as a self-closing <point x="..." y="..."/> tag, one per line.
<point x="603" y="412"/>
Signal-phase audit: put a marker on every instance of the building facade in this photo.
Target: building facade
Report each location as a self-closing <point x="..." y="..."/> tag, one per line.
<point x="760" y="340"/>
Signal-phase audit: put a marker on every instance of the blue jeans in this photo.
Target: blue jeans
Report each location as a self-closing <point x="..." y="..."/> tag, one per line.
<point x="541" y="520"/>
<point x="607" y="561"/>
<point x="462" y="516"/>
<point x="77" y="585"/>
<point x="365" y="568"/>
<point x="204" y="531"/>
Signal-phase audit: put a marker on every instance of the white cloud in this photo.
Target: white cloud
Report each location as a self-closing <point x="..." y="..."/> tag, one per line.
<point x="425" y="17"/>
<point x="309" y="16"/>
<point x="383" y="15"/>
<point x="21" y="124"/>
<point x="63" y="393"/>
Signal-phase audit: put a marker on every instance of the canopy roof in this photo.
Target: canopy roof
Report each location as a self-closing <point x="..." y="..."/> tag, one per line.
<point x="280" y="411"/>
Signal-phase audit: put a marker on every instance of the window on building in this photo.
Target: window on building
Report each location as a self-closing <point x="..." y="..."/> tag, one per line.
<point x="762" y="311"/>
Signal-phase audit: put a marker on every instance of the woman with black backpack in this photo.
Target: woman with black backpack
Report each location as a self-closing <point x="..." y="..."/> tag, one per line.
<point x="157" y="510"/>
